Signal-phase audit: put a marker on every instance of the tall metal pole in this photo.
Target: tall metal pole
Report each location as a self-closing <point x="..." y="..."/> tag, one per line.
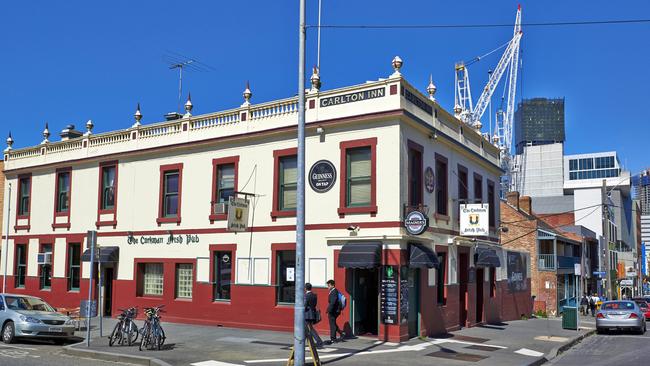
<point x="299" y="308"/>
<point x="6" y="251"/>
<point x="92" y="241"/>
<point x="606" y="234"/>
<point x="318" y="52"/>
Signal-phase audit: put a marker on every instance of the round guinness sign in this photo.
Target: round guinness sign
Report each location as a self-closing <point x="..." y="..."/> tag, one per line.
<point x="322" y="176"/>
<point x="416" y="223"/>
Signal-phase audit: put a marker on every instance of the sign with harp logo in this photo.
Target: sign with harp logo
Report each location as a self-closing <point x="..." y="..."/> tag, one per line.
<point x="474" y="220"/>
<point x="237" y="214"/>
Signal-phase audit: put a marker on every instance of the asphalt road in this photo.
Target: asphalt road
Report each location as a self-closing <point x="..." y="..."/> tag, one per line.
<point x="608" y="349"/>
<point x="36" y="353"/>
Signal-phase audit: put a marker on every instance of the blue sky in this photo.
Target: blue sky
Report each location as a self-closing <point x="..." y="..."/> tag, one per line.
<point x="67" y="62"/>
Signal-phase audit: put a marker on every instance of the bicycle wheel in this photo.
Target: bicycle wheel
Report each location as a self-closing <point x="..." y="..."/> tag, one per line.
<point x="132" y="333"/>
<point x="115" y="334"/>
<point x="144" y="341"/>
<point x="162" y="335"/>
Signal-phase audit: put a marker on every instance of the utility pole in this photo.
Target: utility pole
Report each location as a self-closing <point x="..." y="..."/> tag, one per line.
<point x="606" y="234"/>
<point x="299" y="307"/>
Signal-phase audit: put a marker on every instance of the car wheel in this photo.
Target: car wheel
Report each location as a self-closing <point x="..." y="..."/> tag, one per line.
<point x="8" y="333"/>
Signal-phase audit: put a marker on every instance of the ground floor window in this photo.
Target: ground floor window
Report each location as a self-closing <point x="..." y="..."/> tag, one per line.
<point x="440" y="278"/>
<point x="74" y="266"/>
<point x="45" y="269"/>
<point x="222" y="275"/>
<point x="21" y="266"/>
<point x="285" y="276"/>
<point x="184" y="280"/>
<point x="152" y="279"/>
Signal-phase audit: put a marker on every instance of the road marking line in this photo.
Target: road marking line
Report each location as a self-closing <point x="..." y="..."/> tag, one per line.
<point x="529" y="352"/>
<point x="551" y="339"/>
<point x="214" y="363"/>
<point x="404" y="348"/>
<point x="17" y="347"/>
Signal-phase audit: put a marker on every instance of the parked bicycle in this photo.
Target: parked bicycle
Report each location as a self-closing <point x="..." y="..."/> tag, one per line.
<point x="153" y="335"/>
<point x="125" y="330"/>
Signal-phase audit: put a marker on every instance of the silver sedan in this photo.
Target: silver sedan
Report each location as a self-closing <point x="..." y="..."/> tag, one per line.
<point x="28" y="316"/>
<point x="620" y="315"/>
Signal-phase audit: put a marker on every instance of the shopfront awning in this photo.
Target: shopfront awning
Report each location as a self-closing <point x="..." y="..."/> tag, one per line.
<point x="106" y="255"/>
<point x="360" y="255"/>
<point x="486" y="257"/>
<point x="421" y="256"/>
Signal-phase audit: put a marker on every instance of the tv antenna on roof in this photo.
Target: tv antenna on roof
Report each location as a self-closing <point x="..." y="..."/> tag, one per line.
<point x="177" y="61"/>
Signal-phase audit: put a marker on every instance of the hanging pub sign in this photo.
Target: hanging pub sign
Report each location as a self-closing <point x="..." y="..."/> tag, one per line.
<point x="322" y="176"/>
<point x="429" y="180"/>
<point x="416" y="222"/>
<point x="474" y="220"/>
<point x="237" y="214"/>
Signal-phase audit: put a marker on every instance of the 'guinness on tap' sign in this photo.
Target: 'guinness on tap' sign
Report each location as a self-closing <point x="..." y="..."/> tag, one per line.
<point x="322" y="176"/>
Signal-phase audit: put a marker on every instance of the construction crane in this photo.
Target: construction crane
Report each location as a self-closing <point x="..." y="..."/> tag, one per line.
<point x="471" y="113"/>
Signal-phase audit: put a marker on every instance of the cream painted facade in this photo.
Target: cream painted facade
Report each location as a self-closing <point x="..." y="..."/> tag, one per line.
<point x="395" y="115"/>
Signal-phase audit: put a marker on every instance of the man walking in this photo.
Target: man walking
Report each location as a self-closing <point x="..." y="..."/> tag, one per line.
<point x="593" y="300"/>
<point x="584" y="305"/>
<point x="311" y="314"/>
<point x="333" y="310"/>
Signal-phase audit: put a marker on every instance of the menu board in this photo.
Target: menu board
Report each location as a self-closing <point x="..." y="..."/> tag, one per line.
<point x="389" y="295"/>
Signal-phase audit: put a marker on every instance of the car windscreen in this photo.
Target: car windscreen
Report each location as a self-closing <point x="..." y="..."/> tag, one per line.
<point x="618" y="305"/>
<point x="27" y="303"/>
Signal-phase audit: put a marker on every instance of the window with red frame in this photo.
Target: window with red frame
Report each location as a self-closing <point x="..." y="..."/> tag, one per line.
<point x="63" y="192"/>
<point x="492" y="207"/>
<point x="171" y="194"/>
<point x="20" y="270"/>
<point x="45" y="269"/>
<point x="442" y="195"/>
<point x="287" y="184"/>
<point x="415" y="177"/>
<point x="359" y="177"/>
<point x="24" y="191"/>
<point x="109" y="184"/>
<point x="478" y="188"/>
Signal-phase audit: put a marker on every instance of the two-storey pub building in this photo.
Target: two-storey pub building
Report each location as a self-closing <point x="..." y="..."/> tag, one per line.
<point x="157" y="195"/>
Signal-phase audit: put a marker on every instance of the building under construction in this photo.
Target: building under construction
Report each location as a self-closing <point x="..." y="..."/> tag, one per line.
<point x="539" y="121"/>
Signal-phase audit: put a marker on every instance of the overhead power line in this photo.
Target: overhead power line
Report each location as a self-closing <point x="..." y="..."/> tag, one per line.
<point x="496" y="25"/>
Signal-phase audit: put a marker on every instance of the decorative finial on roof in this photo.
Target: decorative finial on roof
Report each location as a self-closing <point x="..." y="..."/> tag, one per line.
<point x="431" y="88"/>
<point x="46" y="135"/>
<point x="495" y="139"/>
<point x="478" y="125"/>
<point x="188" y="105"/>
<point x="315" y="80"/>
<point x="89" y="127"/>
<point x="247" y="95"/>
<point x="397" y="65"/>
<point x="138" y="116"/>
<point x="10" y="142"/>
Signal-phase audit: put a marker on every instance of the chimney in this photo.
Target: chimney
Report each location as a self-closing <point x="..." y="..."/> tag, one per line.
<point x="513" y="199"/>
<point x="69" y="133"/>
<point x="525" y="204"/>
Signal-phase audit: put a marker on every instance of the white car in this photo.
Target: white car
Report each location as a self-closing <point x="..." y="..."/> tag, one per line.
<point x="29" y="316"/>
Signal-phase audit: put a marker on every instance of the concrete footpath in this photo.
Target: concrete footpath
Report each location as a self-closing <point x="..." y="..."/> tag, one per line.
<point x="522" y="342"/>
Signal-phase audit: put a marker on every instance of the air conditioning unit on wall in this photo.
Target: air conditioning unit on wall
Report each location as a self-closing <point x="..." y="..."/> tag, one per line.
<point x="44" y="258"/>
<point x="220" y="208"/>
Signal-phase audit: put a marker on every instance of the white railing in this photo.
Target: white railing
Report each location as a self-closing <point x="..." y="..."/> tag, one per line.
<point x="214" y="120"/>
<point x="64" y="146"/>
<point x="25" y="153"/>
<point x="160" y="130"/>
<point x="109" y="139"/>
<point x="286" y="106"/>
<point x="546" y="262"/>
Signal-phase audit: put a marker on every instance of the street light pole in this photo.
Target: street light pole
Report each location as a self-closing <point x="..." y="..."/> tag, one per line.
<point x="299" y="307"/>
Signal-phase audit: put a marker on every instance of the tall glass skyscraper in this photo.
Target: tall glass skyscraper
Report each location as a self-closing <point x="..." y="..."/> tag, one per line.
<point x="539" y="121"/>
